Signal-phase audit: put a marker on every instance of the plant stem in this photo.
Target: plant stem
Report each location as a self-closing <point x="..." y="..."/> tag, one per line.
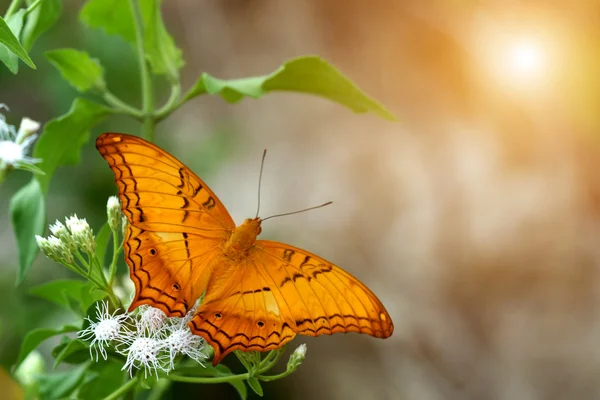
<point x="215" y="379"/>
<point x="12" y="8"/>
<point x="33" y="6"/>
<point x="123" y="389"/>
<point x="171" y="104"/>
<point x="120" y="106"/>
<point x="148" y="124"/>
<point x="113" y="264"/>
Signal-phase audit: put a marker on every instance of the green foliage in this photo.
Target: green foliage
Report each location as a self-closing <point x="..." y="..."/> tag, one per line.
<point x="78" y="68"/>
<point x="310" y="74"/>
<point x="10" y="47"/>
<point x="42" y="18"/>
<point x="61" y="141"/>
<point x="140" y="24"/>
<point x="28" y="216"/>
<point x="33" y="339"/>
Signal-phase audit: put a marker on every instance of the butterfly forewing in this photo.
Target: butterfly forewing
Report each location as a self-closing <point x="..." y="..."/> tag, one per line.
<point x="176" y="223"/>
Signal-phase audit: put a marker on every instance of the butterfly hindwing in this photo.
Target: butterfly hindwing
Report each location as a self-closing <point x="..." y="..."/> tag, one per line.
<point x="282" y="290"/>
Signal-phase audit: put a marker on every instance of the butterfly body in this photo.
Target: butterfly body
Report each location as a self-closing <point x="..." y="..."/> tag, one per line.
<point x="242" y="239"/>
<point x="258" y="294"/>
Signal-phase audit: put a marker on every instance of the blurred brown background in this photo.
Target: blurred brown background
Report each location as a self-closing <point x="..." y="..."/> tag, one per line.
<point x="474" y="219"/>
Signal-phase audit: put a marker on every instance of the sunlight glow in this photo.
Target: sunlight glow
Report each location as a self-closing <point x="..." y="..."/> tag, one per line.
<point x="526" y="59"/>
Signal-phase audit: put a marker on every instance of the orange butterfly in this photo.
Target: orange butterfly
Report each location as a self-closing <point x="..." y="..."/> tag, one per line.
<point x="181" y="242"/>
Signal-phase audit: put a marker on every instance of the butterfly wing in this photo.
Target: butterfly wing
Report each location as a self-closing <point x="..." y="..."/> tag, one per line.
<point x="176" y="223"/>
<point x="280" y="291"/>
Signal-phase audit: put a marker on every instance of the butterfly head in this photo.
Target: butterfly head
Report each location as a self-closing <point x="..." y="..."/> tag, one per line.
<point x="243" y="238"/>
<point x="252" y="226"/>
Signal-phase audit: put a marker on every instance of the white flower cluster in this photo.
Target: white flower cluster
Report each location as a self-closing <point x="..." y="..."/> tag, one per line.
<point x="15" y="144"/>
<point x="66" y="240"/>
<point x="148" y="338"/>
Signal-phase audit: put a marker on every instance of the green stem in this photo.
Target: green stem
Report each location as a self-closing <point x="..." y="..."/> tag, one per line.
<point x="33" y="6"/>
<point x="12" y="8"/>
<point x="270" y="378"/>
<point x="171" y="104"/>
<point x="199" y="379"/>
<point x="120" y="106"/>
<point x="113" y="264"/>
<point x="147" y="90"/>
<point x="123" y="389"/>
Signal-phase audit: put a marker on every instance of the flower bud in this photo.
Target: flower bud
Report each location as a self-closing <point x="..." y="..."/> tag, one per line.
<point x="82" y="234"/>
<point x="27" y="128"/>
<point x="297" y="357"/>
<point x="113" y="212"/>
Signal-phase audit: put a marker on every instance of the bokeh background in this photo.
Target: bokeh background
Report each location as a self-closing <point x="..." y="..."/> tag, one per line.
<point x="475" y="219"/>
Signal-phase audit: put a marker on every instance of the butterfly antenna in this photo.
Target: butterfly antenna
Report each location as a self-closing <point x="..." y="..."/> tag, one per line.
<point x="262" y="164"/>
<point x="298" y="212"/>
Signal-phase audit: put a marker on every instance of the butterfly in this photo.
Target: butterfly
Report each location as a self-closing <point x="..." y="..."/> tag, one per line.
<point x="181" y="243"/>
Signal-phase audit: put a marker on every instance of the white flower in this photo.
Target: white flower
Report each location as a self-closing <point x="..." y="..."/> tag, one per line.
<point x="113" y="211"/>
<point x="61" y="232"/>
<point x="81" y="233"/>
<point x="108" y="328"/>
<point x="27" y="128"/>
<point x="181" y="340"/>
<point x="147" y="353"/>
<point x="151" y="319"/>
<point x="297" y="357"/>
<point x="55" y="249"/>
<point x="14" y="145"/>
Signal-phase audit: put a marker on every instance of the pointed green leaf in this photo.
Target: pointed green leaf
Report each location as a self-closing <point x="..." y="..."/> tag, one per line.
<point x="61" y="141"/>
<point x="33" y="339"/>
<point x="310" y="74"/>
<point x="10" y="59"/>
<point x="88" y="295"/>
<point x="255" y="386"/>
<point x="8" y="39"/>
<point x="73" y="351"/>
<point x="42" y="18"/>
<point x="58" y="291"/>
<point x="61" y="384"/>
<point x="78" y="68"/>
<point x="28" y="216"/>
<point x="164" y="57"/>
<point x="113" y="16"/>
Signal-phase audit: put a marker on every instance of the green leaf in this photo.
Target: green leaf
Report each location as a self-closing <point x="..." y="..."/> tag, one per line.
<point x="255" y="385"/>
<point x="63" y="137"/>
<point x="88" y="295"/>
<point x="42" y="18"/>
<point x="28" y="216"/>
<point x="113" y="16"/>
<point x="61" y="385"/>
<point x="109" y="377"/>
<point x="309" y="74"/>
<point x="78" y="68"/>
<point x="10" y="41"/>
<point x="10" y="59"/>
<point x="73" y="351"/>
<point x="59" y="291"/>
<point x="162" y="54"/>
<point x="33" y="339"/>
<point x="104" y="234"/>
